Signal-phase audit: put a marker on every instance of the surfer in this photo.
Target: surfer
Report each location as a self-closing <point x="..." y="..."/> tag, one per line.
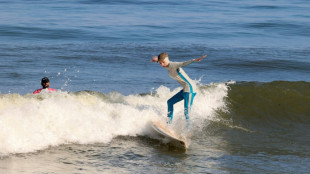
<point x="45" y="82"/>
<point x="176" y="72"/>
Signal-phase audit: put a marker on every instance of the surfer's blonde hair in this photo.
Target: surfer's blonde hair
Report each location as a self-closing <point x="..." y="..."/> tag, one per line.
<point x="162" y="56"/>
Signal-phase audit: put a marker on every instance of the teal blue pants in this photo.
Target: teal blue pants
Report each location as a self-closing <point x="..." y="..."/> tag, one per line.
<point x="188" y="102"/>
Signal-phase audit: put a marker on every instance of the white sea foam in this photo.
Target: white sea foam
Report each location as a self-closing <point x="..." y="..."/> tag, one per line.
<point x="33" y="122"/>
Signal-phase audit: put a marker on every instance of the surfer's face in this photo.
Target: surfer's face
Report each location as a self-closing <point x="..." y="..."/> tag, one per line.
<point x="45" y="85"/>
<point x="164" y="63"/>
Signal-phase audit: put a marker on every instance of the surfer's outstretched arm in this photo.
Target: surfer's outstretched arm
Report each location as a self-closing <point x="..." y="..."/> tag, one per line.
<point x="180" y="64"/>
<point x="155" y="58"/>
<point x="200" y="58"/>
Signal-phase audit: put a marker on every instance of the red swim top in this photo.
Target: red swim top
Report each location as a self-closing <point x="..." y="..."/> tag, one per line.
<point x="39" y="90"/>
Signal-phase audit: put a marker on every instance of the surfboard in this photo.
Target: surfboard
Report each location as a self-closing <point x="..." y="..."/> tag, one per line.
<point x="164" y="131"/>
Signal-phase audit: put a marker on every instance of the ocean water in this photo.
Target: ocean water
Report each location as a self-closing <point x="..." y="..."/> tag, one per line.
<point x="251" y="113"/>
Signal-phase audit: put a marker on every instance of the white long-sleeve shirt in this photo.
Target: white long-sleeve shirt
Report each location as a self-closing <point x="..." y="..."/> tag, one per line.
<point x="176" y="72"/>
